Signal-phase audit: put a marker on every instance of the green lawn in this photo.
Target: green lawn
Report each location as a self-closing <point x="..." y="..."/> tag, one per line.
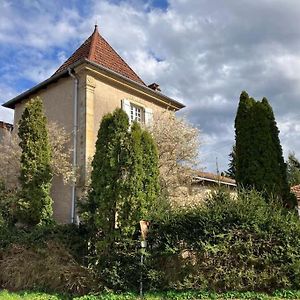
<point x="172" y="295"/>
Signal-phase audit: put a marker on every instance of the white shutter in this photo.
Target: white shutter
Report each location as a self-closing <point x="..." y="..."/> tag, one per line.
<point x="148" y="116"/>
<point x="126" y="107"/>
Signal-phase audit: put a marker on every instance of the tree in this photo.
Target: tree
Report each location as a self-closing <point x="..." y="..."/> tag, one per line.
<point x="124" y="179"/>
<point x="11" y="155"/>
<point x="178" y="149"/>
<point x="35" y="204"/>
<point x="151" y="186"/>
<point x="259" y="159"/>
<point x="293" y="169"/>
<point x="231" y="172"/>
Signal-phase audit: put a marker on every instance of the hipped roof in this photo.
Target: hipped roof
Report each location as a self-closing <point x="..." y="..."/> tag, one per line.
<point x="97" y="49"/>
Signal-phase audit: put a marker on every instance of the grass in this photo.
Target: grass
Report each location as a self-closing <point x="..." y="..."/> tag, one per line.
<point x="171" y="295"/>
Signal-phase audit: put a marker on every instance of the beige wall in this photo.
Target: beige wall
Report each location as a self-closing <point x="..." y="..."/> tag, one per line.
<point x="98" y="94"/>
<point x="58" y="105"/>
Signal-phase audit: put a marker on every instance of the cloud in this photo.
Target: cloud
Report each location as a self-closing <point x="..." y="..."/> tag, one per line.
<point x="201" y="52"/>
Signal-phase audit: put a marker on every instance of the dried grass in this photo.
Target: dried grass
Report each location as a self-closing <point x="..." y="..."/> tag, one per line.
<point x="50" y="268"/>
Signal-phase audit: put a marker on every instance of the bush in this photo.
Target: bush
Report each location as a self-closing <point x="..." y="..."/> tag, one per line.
<point x="229" y="244"/>
<point x="8" y="201"/>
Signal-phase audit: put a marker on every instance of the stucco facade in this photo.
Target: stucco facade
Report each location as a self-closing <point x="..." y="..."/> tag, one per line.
<point x="99" y="81"/>
<point x="99" y="93"/>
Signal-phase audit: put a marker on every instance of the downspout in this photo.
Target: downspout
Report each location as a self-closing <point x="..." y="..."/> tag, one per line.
<point x="75" y="128"/>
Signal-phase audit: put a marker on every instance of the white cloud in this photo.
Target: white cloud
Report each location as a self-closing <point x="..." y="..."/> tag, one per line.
<point x="202" y="52"/>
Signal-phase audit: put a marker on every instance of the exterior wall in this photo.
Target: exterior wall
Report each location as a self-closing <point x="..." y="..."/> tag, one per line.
<point x="195" y="194"/>
<point x="98" y="94"/>
<point x="58" y="105"/>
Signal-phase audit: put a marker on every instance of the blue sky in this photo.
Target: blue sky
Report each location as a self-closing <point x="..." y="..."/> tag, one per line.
<point x="201" y="52"/>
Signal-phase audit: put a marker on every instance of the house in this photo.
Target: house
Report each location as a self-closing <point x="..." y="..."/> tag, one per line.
<point x="4" y="129"/>
<point x="94" y="81"/>
<point x="202" y="185"/>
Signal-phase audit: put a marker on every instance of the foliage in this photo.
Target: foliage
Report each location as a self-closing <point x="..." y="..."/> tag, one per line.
<point x="178" y="146"/>
<point x="109" y="176"/>
<point x="8" y="200"/>
<point x="293" y="170"/>
<point x="230" y="244"/>
<point x="231" y="166"/>
<point x="259" y="159"/>
<point x="124" y="179"/>
<point x="167" y="295"/>
<point x="35" y="204"/>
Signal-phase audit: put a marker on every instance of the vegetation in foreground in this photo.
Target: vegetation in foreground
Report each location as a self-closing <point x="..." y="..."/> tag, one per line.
<point x="169" y="295"/>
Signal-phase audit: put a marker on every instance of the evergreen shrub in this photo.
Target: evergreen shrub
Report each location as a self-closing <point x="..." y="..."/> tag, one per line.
<point x="241" y="244"/>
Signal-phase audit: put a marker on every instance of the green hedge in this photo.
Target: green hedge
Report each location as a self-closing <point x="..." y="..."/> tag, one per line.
<point x="241" y="244"/>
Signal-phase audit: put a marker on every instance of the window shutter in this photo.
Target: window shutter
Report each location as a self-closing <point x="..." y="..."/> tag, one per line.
<point x="148" y="116"/>
<point x="126" y="107"/>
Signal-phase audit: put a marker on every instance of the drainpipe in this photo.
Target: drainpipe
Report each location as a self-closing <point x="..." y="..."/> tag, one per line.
<point x="75" y="128"/>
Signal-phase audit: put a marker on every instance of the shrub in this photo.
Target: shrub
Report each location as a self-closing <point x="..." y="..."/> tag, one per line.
<point x="230" y="244"/>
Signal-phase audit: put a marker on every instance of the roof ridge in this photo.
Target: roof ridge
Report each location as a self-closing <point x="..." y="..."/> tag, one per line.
<point x="94" y="35"/>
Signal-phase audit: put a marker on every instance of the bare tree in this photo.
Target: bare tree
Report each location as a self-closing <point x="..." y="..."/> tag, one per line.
<point x="11" y="153"/>
<point x="178" y="145"/>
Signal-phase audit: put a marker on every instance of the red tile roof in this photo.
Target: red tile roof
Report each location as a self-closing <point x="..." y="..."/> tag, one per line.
<point x="97" y="49"/>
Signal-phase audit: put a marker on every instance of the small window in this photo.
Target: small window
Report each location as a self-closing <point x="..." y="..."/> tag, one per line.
<point x="137" y="113"/>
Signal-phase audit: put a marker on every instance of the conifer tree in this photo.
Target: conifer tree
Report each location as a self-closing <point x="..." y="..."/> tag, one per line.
<point x="35" y="205"/>
<point x="151" y="186"/>
<point x="259" y="158"/>
<point x="124" y="179"/>
<point x="244" y="142"/>
<point x="110" y="171"/>
<point x="231" y="172"/>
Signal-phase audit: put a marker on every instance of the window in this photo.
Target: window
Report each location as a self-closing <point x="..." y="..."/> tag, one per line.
<point x="136" y="113"/>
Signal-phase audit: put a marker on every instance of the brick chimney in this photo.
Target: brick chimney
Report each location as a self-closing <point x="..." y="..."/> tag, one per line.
<point x="154" y="86"/>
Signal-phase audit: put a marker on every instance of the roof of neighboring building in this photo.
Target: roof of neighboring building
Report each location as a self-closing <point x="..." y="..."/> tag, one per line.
<point x="97" y="49"/>
<point x="6" y="125"/>
<point x="206" y="176"/>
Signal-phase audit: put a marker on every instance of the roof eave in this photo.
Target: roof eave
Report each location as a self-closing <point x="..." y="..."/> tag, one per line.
<point x="177" y="104"/>
<point x="11" y="103"/>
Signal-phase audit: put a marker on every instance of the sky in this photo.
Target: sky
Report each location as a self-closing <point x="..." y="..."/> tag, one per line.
<point x="203" y="53"/>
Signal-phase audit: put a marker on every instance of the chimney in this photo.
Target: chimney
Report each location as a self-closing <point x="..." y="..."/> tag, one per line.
<point x="154" y="86"/>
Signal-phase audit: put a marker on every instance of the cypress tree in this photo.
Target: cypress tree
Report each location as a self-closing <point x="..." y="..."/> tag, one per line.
<point x="151" y="186"/>
<point x="109" y="174"/>
<point x="259" y="159"/>
<point x="35" y="205"/>
<point x="124" y="179"/>
<point x="244" y="141"/>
